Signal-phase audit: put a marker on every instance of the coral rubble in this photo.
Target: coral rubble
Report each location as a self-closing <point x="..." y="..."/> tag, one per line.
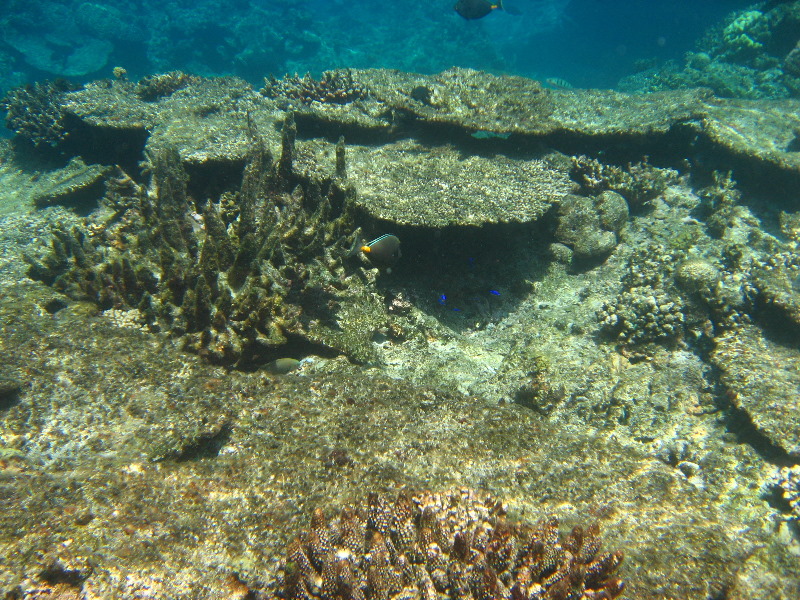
<point x="455" y="545"/>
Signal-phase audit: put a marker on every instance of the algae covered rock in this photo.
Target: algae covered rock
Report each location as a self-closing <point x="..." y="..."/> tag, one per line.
<point x="763" y="378"/>
<point x="775" y="292"/>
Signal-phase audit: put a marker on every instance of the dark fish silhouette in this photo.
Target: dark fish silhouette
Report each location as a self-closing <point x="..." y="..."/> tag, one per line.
<point x="477" y="9"/>
<point x="383" y="252"/>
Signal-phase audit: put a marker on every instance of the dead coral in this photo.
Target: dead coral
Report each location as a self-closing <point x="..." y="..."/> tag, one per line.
<point x="335" y="87"/>
<point x="454" y="545"/>
<point x="35" y="113"/>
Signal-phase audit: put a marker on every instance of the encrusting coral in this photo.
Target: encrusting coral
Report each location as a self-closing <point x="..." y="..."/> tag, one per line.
<point x="455" y="545"/>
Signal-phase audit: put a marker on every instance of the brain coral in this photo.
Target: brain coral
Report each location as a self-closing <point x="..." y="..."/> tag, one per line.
<point x="455" y="545"/>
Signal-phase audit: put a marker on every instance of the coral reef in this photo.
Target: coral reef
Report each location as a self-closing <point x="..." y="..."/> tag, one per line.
<point x="335" y="87"/>
<point x="233" y="278"/>
<point x="638" y="183"/>
<point x="154" y="87"/>
<point x="791" y="64"/>
<point x="72" y="185"/>
<point x="452" y="545"/>
<point x="721" y="199"/>
<point x="643" y="314"/>
<point x="590" y="226"/>
<point x="749" y="55"/>
<point x="35" y="112"/>
<point x="772" y="289"/>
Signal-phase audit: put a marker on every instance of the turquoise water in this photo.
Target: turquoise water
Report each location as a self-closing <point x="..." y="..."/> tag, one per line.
<point x="589" y="43"/>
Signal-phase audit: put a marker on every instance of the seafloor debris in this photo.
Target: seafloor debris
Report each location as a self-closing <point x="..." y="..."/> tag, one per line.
<point x="455" y="545"/>
<point x="335" y="87"/>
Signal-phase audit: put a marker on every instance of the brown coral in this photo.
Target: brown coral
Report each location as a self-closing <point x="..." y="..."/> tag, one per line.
<point x="34" y="112"/>
<point x="154" y="87"/>
<point x="455" y="545"/>
<point x="335" y="87"/>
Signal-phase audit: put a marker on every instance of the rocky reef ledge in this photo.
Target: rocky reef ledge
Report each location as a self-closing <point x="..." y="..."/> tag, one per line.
<point x="592" y="323"/>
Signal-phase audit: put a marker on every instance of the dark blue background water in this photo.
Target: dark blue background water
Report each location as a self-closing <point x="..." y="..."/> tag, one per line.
<point x="590" y="43"/>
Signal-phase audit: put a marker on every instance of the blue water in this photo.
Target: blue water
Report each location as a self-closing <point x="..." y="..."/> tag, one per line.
<point x="589" y="43"/>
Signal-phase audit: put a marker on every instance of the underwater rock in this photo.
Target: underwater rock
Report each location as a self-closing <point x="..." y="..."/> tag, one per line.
<point x="478" y="102"/>
<point x="774" y="291"/>
<point x="410" y="183"/>
<point x="209" y="120"/>
<point x="457" y="544"/>
<point x="759" y="133"/>
<point x="763" y="379"/>
<point x="791" y="64"/>
<point x="206" y="120"/>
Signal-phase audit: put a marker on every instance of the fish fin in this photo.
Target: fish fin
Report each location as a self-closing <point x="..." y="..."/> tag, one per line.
<point x="358" y="242"/>
<point x="512" y="10"/>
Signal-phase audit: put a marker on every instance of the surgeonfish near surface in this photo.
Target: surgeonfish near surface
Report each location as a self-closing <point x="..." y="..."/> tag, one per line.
<point x="383" y="252"/>
<point x="477" y="9"/>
